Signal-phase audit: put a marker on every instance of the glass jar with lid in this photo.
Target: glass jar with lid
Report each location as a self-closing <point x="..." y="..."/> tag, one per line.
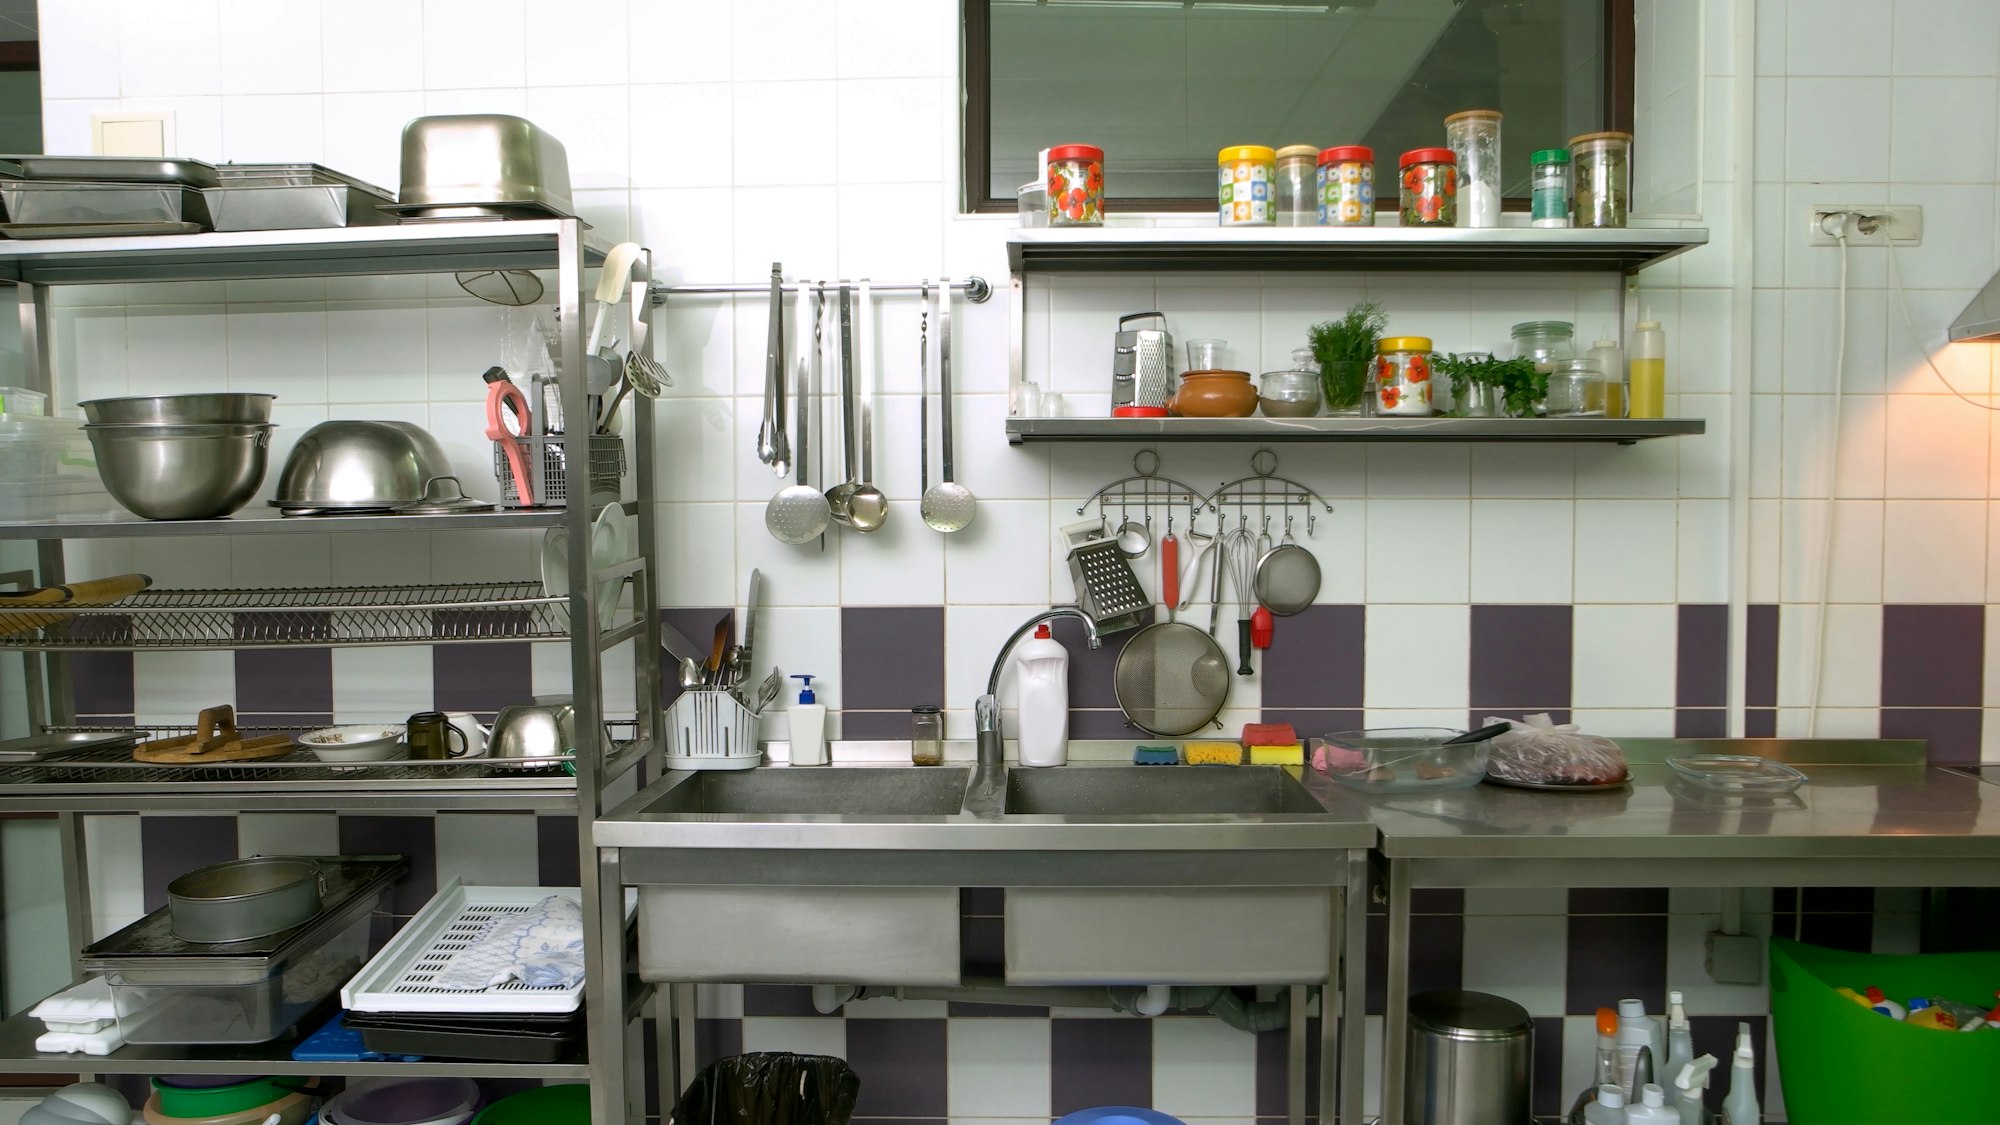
<point x="1548" y="188"/>
<point x="1076" y="186"/>
<point x="1474" y="138"/>
<point x="1403" y="376"/>
<point x="1296" y="197"/>
<point x="1429" y="187"/>
<point x="1546" y="342"/>
<point x="1293" y="393"/>
<point x="1243" y="175"/>
<point x="1572" y="386"/>
<point x="1603" y="169"/>
<point x="1347" y="186"/>
<point x="926" y="736"/>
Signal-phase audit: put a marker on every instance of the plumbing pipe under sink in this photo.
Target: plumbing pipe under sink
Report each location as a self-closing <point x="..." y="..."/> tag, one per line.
<point x="1225" y="1004"/>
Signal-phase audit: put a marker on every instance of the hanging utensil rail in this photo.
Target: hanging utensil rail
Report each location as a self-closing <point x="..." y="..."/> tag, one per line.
<point x="975" y="289"/>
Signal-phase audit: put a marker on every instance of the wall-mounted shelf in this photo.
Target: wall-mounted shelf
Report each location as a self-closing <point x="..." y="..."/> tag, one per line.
<point x="1273" y="249"/>
<point x="1620" y="431"/>
<point x="267" y="521"/>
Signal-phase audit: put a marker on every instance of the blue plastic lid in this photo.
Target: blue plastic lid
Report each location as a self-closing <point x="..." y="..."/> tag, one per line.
<point x="1119" y="1115"/>
<point x="806" y="693"/>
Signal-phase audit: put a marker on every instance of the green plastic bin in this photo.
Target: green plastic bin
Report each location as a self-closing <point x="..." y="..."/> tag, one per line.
<point x="544" y="1105"/>
<point x="1841" y="1064"/>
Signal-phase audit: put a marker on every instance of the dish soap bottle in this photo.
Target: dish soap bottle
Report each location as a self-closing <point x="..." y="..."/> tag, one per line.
<point x="1636" y="1029"/>
<point x="807" y="718"/>
<point x="1041" y="679"/>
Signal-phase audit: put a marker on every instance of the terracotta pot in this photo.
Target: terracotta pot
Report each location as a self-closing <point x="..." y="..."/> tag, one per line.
<point x="1214" y="394"/>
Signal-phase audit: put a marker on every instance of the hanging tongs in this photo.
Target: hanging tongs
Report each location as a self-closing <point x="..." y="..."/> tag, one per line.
<point x="773" y="447"/>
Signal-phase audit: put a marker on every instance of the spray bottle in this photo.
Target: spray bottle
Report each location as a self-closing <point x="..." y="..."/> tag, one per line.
<point x="1740" y="1106"/>
<point x="1680" y="1040"/>
<point x="1690" y="1083"/>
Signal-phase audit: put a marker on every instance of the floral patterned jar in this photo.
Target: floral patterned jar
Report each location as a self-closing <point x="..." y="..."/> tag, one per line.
<point x="1403" y="376"/>
<point x="1347" y="186"/>
<point x="1076" y="186"/>
<point x="1430" y="188"/>
<point x="1243" y="176"/>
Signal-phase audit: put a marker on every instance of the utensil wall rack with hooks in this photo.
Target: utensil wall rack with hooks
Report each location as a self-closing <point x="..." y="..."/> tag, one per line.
<point x="1266" y="490"/>
<point x="68" y="788"/>
<point x="975" y="288"/>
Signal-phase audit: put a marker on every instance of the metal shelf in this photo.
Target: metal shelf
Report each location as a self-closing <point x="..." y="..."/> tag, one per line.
<point x="323" y="617"/>
<point x="1621" y="431"/>
<point x="1274" y="249"/>
<point x="267" y="521"/>
<point x="18" y="1056"/>
<point x="498" y="244"/>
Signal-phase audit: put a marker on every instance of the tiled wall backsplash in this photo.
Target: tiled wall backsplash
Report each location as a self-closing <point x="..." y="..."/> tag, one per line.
<point x="1458" y="580"/>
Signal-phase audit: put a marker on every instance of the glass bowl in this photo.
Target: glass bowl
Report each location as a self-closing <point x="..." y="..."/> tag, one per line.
<point x="1401" y="759"/>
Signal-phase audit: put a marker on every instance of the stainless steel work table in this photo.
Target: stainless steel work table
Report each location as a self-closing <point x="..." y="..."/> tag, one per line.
<point x="1872" y="814"/>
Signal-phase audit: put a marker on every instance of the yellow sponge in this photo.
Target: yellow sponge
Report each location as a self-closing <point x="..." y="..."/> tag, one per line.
<point x="1293" y="755"/>
<point x="1213" y="753"/>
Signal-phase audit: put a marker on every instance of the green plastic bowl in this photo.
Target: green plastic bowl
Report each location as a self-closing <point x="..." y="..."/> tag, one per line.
<point x="547" y="1105"/>
<point x="221" y="1101"/>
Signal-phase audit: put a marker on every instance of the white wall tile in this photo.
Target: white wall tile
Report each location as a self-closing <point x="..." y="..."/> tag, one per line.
<point x="381" y="684"/>
<point x="682" y="136"/>
<point x="1523" y="957"/>
<point x="1821" y="38"/>
<point x="1926" y="144"/>
<point x="171" y="686"/>
<point x="1413" y="656"/>
<point x="1204" y="1068"/>
<point x="1625" y="550"/>
<point x="1857" y="550"/>
<point x="591" y="122"/>
<point x="566" y="45"/>
<point x="1522" y="550"/>
<point x="1937" y="448"/>
<point x="806" y="1035"/>
<point x="474" y="44"/>
<point x="991" y="561"/>
<point x="1624" y="656"/>
<point x="78" y="60"/>
<point x="1851" y="672"/>
<point x="1934" y="551"/>
<point x="985" y="1060"/>
<point x="287" y="833"/>
<point x="902" y="563"/>
<point x="166" y="50"/>
<point x="1703" y="545"/>
<point x="1417" y="550"/>
<point x="272" y="128"/>
<point x="357" y="56"/>
<point x="270" y="48"/>
<point x="486" y="849"/>
<point x="1944" y="37"/>
<point x="782" y="39"/>
<point x="117" y="890"/>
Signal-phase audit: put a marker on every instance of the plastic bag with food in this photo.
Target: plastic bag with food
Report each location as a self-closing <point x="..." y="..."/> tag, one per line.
<point x="1539" y="751"/>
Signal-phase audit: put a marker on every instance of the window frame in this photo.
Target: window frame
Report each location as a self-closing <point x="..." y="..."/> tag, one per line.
<point x="976" y="98"/>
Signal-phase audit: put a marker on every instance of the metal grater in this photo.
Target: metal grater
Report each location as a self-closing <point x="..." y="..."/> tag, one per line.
<point x="1106" y="588"/>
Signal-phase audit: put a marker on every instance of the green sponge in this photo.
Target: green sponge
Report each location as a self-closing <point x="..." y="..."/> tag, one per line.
<point x="1155" y="756"/>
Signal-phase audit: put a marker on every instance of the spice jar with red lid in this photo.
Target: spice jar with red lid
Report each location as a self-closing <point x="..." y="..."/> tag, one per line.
<point x="1347" y="186"/>
<point x="1429" y="187"/>
<point x="1076" y="186"/>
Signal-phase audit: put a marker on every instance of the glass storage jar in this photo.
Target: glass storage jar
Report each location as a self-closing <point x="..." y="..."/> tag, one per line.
<point x="1293" y="393"/>
<point x="1243" y="175"/>
<point x="1476" y="400"/>
<point x="1347" y="186"/>
<point x="1603" y="164"/>
<point x="1545" y="342"/>
<point x="1076" y="186"/>
<point x="1572" y="386"/>
<point x="1297" y="195"/>
<point x="1403" y="376"/>
<point x="1429" y="188"/>
<point x="1548" y="188"/>
<point x="1474" y="139"/>
<point x="926" y="736"/>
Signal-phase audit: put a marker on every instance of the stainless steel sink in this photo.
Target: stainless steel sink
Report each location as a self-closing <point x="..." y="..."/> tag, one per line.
<point x="936" y="791"/>
<point x="1159" y="791"/>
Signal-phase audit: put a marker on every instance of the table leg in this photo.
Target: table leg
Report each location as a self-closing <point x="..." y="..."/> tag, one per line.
<point x="1295" y="1058"/>
<point x="1397" y="1006"/>
<point x="1353" y="1007"/>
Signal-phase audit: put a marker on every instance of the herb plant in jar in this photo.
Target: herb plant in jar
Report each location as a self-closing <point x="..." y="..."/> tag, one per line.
<point x="1345" y="349"/>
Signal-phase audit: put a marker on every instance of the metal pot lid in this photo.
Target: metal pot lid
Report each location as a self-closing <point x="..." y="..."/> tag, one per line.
<point x="443" y="496"/>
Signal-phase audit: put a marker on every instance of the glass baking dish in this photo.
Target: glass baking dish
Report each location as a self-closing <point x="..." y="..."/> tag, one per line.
<point x="1737" y="773"/>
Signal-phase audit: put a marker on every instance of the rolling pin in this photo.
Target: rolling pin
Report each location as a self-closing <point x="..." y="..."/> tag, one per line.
<point x="95" y="592"/>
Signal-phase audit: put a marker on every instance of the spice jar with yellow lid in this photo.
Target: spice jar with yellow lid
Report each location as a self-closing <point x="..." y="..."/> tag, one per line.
<point x="1243" y="176"/>
<point x="1403" y="376"/>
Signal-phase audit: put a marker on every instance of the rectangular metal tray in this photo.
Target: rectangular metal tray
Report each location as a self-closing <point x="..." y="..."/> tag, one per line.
<point x="256" y="205"/>
<point x="37" y="747"/>
<point x="56" y="201"/>
<point x="32" y="231"/>
<point x="115" y="169"/>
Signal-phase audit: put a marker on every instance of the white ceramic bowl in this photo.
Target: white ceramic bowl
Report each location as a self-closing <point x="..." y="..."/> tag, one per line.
<point x="363" y="743"/>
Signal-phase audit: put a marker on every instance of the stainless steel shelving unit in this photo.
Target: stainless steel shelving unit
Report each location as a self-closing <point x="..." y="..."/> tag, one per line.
<point x="175" y="620"/>
<point x="1286" y="250"/>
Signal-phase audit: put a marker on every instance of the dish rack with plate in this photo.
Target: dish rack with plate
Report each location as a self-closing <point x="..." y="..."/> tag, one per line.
<point x="607" y="469"/>
<point x="711" y="730"/>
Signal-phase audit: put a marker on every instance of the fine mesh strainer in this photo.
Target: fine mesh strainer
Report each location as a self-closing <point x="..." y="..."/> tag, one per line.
<point x="1171" y="679"/>
<point x="1287" y="578"/>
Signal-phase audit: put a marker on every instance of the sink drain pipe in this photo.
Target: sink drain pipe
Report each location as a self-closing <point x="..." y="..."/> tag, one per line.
<point x="1225" y="1004"/>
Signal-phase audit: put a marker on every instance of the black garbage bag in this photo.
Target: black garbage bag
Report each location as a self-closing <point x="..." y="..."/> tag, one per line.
<point x="770" y="1088"/>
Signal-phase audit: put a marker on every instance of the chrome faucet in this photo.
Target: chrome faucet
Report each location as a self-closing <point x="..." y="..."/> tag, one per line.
<point x="986" y="712"/>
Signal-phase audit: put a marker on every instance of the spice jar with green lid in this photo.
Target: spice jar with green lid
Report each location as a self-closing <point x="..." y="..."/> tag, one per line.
<point x="1548" y="188"/>
<point x="1603" y="163"/>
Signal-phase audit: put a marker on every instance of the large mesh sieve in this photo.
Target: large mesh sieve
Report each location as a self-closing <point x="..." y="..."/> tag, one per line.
<point x="1171" y="679"/>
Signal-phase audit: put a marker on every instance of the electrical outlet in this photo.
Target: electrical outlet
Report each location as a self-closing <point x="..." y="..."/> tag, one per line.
<point x="1902" y="223"/>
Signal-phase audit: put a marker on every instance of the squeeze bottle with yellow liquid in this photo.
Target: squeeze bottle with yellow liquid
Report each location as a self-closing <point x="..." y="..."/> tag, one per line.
<point x="1648" y="383"/>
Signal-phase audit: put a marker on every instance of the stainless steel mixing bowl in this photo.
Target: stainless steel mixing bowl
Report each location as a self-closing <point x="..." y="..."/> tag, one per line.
<point x="179" y="410"/>
<point x="181" y="472"/>
<point x="347" y="466"/>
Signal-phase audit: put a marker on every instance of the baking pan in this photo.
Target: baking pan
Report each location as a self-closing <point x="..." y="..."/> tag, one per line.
<point x="244" y="898"/>
<point x="483" y="160"/>
<point x="115" y="169"/>
<point x="256" y="205"/>
<point x="60" y="201"/>
<point x="522" y="1039"/>
<point x="37" y="747"/>
<point x="30" y="231"/>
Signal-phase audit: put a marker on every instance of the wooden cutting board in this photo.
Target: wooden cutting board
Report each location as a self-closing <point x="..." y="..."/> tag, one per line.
<point x="215" y="740"/>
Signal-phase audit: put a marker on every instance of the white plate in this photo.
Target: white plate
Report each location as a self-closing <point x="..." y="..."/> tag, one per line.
<point x="610" y="544"/>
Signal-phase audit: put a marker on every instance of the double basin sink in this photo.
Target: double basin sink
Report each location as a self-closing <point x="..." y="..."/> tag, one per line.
<point x="1113" y="874"/>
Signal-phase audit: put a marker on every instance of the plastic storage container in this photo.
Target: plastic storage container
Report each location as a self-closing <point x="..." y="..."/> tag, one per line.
<point x="1296" y="200"/>
<point x="47" y="470"/>
<point x="548" y="1105"/>
<point x="1401" y="759"/>
<point x="1548" y="188"/>
<point x="403" y="1101"/>
<point x="1474" y="139"/>
<point x="1429" y="188"/>
<point x="21" y="400"/>
<point x="1841" y="1063"/>
<point x="1243" y="176"/>
<point x="1076" y="186"/>
<point x="1347" y="186"/>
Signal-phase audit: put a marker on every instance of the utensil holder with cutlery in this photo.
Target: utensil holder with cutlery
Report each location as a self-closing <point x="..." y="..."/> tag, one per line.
<point x="607" y="469"/>
<point x="710" y="729"/>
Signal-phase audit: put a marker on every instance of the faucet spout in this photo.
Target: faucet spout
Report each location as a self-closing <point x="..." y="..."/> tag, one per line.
<point x="986" y="711"/>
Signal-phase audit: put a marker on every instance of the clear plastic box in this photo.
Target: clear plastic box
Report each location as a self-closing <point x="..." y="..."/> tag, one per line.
<point x="195" y="1005"/>
<point x="47" y="470"/>
<point x="21" y="400"/>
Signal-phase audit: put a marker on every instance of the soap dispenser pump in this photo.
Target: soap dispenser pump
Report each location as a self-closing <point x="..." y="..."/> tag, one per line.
<point x="807" y="719"/>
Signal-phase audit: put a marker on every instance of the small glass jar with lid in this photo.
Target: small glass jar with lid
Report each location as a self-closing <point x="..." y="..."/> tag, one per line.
<point x="1403" y="376"/>
<point x="1603" y="168"/>
<point x="1545" y="342"/>
<point x="1548" y="188"/>
<point x="1347" y="186"/>
<point x="1474" y="138"/>
<point x="926" y="736"/>
<point x="1296" y="198"/>
<point x="1293" y="393"/>
<point x="1429" y="187"/>
<point x="1572" y="386"/>
<point x="1243" y="175"/>
<point x="1076" y="186"/>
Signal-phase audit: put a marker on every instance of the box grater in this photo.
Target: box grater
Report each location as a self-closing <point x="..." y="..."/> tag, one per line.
<point x="1142" y="363"/>
<point x="1106" y="589"/>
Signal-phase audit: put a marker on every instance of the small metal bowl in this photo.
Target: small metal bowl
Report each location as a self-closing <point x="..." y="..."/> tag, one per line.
<point x="179" y="410"/>
<point x="244" y="898"/>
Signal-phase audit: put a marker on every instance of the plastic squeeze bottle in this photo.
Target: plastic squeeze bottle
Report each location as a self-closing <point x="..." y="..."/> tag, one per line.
<point x="1611" y="361"/>
<point x="1680" y="1040"/>
<point x="1636" y="1029"/>
<point x="1740" y="1107"/>
<point x="1607" y="1109"/>
<point x="1652" y="1108"/>
<point x="1648" y="382"/>
<point x="807" y="719"/>
<point x="1041" y="676"/>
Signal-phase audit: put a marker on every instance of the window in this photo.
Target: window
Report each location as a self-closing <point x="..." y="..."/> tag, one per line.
<point x="1160" y="85"/>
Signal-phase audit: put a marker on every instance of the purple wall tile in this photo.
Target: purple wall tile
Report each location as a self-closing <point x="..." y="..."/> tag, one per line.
<point x="962" y="1009"/>
<point x="1521" y="656"/>
<point x="1760" y="722"/>
<point x="1273" y="1072"/>
<point x="713" y="1039"/>
<point x="1618" y="900"/>
<point x="1091" y="682"/>
<point x="556" y="846"/>
<point x="481" y="678"/>
<point x="269" y="722"/>
<point x="103" y="682"/>
<point x="284" y="625"/>
<point x="902" y="1065"/>
<point x="1716" y="1035"/>
<point x="413" y="836"/>
<point x="1932" y="655"/>
<point x="698" y="626"/>
<point x="1614" y="956"/>
<point x="1437" y="955"/>
<point x="1760" y="672"/>
<point x="172" y="846"/>
<point x="780" y="1000"/>
<point x="1953" y="732"/>
<point x="983" y="946"/>
<point x="988" y="902"/>
<point x="1097" y="1062"/>
<point x="875" y="725"/>
<point x="279" y="680"/>
<point x="1701" y="722"/>
<point x="1315" y="723"/>
<point x="892" y="657"/>
<point x="1547" y="1096"/>
<point x="1315" y="658"/>
<point x="1106" y="724"/>
<point x="1701" y="677"/>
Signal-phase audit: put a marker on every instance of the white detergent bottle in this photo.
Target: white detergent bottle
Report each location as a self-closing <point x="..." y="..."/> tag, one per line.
<point x="1652" y="1108"/>
<point x="1607" y="1109"/>
<point x="1636" y="1029"/>
<point x="1740" y="1106"/>
<point x="1041" y="681"/>
<point x="1680" y="1041"/>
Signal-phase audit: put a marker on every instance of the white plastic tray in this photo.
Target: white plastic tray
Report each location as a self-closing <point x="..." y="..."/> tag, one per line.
<point x="398" y="979"/>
